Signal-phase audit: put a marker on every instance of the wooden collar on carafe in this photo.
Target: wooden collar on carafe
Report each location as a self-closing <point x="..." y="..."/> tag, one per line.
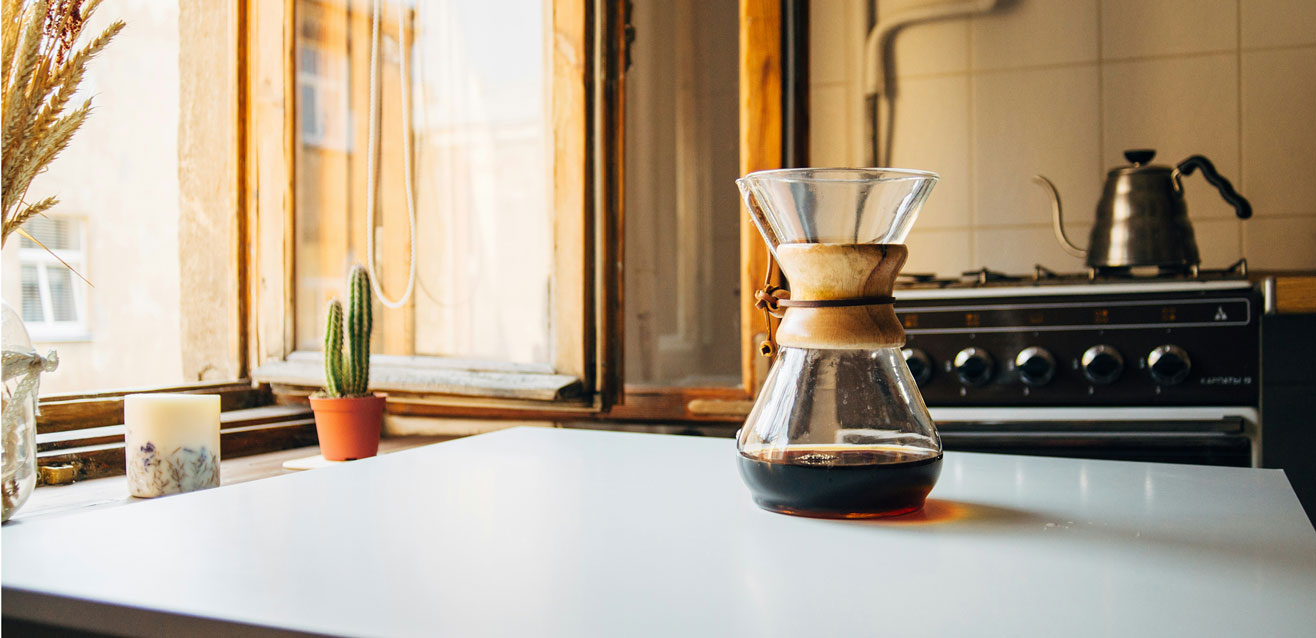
<point x="840" y="297"/>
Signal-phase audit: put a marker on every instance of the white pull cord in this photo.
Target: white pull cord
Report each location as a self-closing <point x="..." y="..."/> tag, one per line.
<point x="372" y="181"/>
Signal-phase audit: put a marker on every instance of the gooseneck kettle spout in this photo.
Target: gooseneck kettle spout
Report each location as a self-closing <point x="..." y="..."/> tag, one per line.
<point x="1057" y="218"/>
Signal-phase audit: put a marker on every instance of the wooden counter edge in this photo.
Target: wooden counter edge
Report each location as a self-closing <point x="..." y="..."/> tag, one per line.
<point x="1291" y="294"/>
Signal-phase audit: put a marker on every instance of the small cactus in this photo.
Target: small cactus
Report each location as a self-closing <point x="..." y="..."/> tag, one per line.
<point x="349" y="376"/>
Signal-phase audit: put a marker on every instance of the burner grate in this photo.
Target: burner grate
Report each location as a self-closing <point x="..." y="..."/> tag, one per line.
<point x="984" y="276"/>
<point x="1043" y="276"/>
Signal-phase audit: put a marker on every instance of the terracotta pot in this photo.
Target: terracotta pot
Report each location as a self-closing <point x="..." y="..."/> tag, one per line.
<point x="348" y="427"/>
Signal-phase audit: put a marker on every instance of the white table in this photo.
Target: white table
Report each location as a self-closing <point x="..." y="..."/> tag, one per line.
<point x="535" y="532"/>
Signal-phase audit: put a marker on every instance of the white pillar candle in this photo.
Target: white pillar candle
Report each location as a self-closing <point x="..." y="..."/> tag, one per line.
<point x="172" y="443"/>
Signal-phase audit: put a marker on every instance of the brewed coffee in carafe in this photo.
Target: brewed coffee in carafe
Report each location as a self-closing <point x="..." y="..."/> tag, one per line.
<point x="839" y="429"/>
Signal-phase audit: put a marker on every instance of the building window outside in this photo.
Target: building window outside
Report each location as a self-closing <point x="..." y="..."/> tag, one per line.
<point x="322" y="91"/>
<point x="53" y="303"/>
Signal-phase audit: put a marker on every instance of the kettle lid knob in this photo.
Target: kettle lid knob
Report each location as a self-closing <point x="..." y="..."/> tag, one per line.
<point x="1139" y="156"/>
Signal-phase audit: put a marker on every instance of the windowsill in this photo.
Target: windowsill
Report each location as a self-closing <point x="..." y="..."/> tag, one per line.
<point x="39" y="336"/>
<point x="431" y="375"/>
<point x="112" y="491"/>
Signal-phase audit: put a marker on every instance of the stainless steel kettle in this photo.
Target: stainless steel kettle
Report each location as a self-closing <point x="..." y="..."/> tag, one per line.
<point x="1142" y="219"/>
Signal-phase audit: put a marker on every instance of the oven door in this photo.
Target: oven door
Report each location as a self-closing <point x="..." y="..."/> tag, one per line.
<point x="1198" y="435"/>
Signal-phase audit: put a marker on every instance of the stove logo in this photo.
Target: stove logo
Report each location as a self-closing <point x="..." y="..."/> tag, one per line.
<point x="1225" y="380"/>
<point x="1220" y="314"/>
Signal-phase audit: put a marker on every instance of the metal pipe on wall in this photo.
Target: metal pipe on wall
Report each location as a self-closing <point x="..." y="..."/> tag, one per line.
<point x="879" y="70"/>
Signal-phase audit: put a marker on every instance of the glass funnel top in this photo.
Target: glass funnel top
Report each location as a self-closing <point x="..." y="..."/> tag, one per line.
<point x="835" y="205"/>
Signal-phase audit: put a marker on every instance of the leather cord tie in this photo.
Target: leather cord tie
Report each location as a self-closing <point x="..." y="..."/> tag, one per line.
<point x="773" y="299"/>
<point x="836" y="303"/>
<point x="770" y="300"/>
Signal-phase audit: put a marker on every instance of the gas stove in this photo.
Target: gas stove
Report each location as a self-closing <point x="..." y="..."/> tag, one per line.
<point x="1083" y="360"/>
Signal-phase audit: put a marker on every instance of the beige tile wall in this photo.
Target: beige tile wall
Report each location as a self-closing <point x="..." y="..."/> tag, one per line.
<point x="1061" y="88"/>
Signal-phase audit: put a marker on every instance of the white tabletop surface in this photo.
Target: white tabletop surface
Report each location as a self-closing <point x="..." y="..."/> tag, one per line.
<point x="537" y="532"/>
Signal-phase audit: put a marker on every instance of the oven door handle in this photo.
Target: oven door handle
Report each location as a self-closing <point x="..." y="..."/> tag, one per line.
<point x="1227" y="425"/>
<point x="1214" y="448"/>
<point x="1076" y="439"/>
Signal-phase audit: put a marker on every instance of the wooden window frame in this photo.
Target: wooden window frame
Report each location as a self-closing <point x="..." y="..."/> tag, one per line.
<point x="760" y="149"/>
<point x="762" y="106"/>
<point x="588" y="84"/>
<point x="256" y="158"/>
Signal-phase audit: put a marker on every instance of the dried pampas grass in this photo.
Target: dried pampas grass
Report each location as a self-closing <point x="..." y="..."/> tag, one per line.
<point x="41" y="71"/>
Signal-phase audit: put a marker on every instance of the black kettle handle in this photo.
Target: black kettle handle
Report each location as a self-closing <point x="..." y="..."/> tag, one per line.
<point x="1241" y="205"/>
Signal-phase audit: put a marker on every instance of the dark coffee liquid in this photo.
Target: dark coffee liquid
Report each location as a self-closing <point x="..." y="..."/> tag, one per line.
<point x="841" y="481"/>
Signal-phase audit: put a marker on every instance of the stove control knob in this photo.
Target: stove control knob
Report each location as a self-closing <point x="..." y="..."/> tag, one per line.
<point x="1168" y="364"/>
<point x="1102" y="364"/>
<point x="1036" y="366"/>
<point x="974" y="366"/>
<point x="920" y="364"/>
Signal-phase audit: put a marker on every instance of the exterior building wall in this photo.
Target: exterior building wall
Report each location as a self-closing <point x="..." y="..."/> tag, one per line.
<point x="119" y="178"/>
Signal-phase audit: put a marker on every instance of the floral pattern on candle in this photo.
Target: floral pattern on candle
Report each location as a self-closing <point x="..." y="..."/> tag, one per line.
<point x="171" y="443"/>
<point x="153" y="472"/>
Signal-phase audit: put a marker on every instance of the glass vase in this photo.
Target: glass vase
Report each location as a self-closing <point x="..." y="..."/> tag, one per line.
<point x="19" y="414"/>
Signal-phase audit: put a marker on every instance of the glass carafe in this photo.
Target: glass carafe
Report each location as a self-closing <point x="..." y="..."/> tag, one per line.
<point x="839" y="429"/>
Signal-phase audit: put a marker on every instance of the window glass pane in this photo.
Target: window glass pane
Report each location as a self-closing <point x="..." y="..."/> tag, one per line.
<point x="32" y="309"/>
<point x="480" y="136"/>
<point x="61" y="293"/>
<point x="117" y="220"/>
<point x="682" y="207"/>
<point x="56" y="233"/>
<point x="312" y="121"/>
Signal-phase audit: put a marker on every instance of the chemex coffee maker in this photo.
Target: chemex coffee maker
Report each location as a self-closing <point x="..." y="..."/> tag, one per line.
<point x="839" y="429"/>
